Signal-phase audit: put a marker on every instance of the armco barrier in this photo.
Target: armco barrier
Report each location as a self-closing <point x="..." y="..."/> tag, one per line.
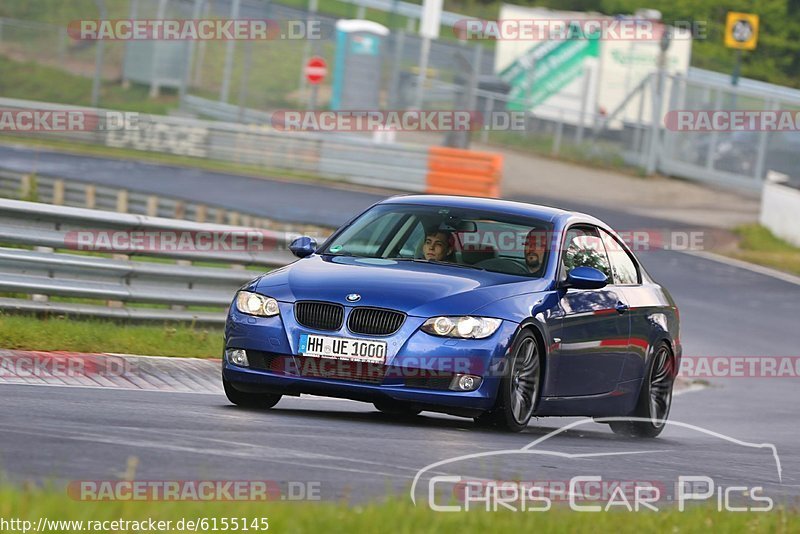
<point x="463" y="172"/>
<point x="133" y="288"/>
<point x="62" y="192"/>
<point x="347" y="158"/>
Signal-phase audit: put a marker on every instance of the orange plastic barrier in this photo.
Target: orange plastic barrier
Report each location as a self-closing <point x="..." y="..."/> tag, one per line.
<point x="454" y="171"/>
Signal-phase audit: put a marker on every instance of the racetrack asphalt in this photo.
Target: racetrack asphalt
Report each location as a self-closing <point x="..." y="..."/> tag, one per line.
<point x="353" y="451"/>
<point x="284" y="201"/>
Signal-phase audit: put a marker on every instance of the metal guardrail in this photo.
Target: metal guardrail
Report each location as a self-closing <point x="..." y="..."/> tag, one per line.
<point x="64" y="192"/>
<point x="168" y="280"/>
<point x="53" y="190"/>
<point x="341" y="158"/>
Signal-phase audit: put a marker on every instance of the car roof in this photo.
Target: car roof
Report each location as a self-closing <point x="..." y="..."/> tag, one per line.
<point x="512" y="207"/>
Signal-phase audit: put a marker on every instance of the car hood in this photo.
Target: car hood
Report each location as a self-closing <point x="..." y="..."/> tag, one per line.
<point x="419" y="289"/>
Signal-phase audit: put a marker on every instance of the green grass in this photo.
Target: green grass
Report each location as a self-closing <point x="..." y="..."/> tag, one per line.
<point x="33" y="81"/>
<point x="25" y="332"/>
<point x="758" y="245"/>
<point x="394" y="515"/>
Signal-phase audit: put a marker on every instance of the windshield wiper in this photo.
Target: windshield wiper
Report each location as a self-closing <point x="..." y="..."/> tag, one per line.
<point x="436" y="262"/>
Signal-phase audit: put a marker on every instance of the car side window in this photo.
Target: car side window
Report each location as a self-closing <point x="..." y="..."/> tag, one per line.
<point x="622" y="265"/>
<point x="583" y="247"/>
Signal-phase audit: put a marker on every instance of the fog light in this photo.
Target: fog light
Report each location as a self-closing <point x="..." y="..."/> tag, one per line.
<point x="465" y="382"/>
<point x="237" y="357"/>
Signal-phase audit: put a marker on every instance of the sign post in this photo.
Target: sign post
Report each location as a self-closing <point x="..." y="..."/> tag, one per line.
<point x="741" y="33"/>
<point x="315" y="71"/>
<point x="429" y="29"/>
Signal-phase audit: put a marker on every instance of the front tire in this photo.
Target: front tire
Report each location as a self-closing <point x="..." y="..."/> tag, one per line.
<point x="655" y="398"/>
<point x="518" y="394"/>
<point x="261" y="401"/>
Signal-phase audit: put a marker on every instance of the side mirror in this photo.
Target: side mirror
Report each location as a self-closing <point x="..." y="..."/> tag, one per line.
<point x="586" y="278"/>
<point x="303" y="246"/>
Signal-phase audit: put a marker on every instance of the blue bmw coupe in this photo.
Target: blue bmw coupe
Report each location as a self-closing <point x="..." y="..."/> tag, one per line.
<point x="481" y="308"/>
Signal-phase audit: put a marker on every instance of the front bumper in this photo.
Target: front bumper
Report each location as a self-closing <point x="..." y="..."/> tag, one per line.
<point x="417" y="370"/>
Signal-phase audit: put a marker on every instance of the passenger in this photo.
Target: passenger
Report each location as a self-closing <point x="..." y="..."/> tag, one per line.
<point x="535" y="250"/>
<point x="439" y="245"/>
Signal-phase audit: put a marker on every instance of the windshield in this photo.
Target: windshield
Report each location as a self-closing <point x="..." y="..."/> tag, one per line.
<point x="462" y="237"/>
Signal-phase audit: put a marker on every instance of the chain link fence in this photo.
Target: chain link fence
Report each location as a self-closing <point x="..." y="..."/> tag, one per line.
<point x="736" y="157"/>
<point x="249" y="79"/>
<point x="49" y="44"/>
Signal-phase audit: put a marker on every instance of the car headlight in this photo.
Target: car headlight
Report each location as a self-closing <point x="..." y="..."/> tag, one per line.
<point x="464" y="327"/>
<point x="255" y="304"/>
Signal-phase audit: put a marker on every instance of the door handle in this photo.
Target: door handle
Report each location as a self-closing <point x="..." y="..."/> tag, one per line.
<point x="621" y="307"/>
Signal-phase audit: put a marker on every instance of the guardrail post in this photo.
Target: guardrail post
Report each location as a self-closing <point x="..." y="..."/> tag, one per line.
<point x="122" y="201"/>
<point x="122" y="207"/>
<point x="246" y="220"/>
<point x="181" y="307"/>
<point x="25" y="186"/>
<point x="219" y="216"/>
<point x="118" y="303"/>
<point x="233" y="218"/>
<point x="90" y="196"/>
<point x="58" y="192"/>
<point x="39" y="297"/>
<point x="180" y="210"/>
<point x="152" y="206"/>
<point x="201" y="213"/>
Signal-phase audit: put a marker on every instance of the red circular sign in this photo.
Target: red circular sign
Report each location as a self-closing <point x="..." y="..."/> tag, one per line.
<point x="316" y="69"/>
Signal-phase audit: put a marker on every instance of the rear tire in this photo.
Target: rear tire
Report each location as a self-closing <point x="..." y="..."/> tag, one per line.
<point x="518" y="393"/>
<point x="397" y="409"/>
<point x="655" y="398"/>
<point x="261" y="401"/>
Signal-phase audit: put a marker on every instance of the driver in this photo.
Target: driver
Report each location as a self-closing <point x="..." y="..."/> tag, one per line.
<point x="438" y="246"/>
<point x="535" y="249"/>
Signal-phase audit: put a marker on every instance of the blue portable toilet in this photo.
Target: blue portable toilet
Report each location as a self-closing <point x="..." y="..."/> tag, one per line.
<point x="357" y="65"/>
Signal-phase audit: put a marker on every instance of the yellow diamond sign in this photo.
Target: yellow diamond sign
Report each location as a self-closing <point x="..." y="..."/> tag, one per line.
<point x="741" y="30"/>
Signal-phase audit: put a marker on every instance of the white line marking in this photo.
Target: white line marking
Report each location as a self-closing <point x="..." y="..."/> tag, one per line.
<point x="691" y="388"/>
<point x="108" y="388"/>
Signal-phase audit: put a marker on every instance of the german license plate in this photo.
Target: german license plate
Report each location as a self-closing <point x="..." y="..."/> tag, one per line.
<point x="342" y="348"/>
